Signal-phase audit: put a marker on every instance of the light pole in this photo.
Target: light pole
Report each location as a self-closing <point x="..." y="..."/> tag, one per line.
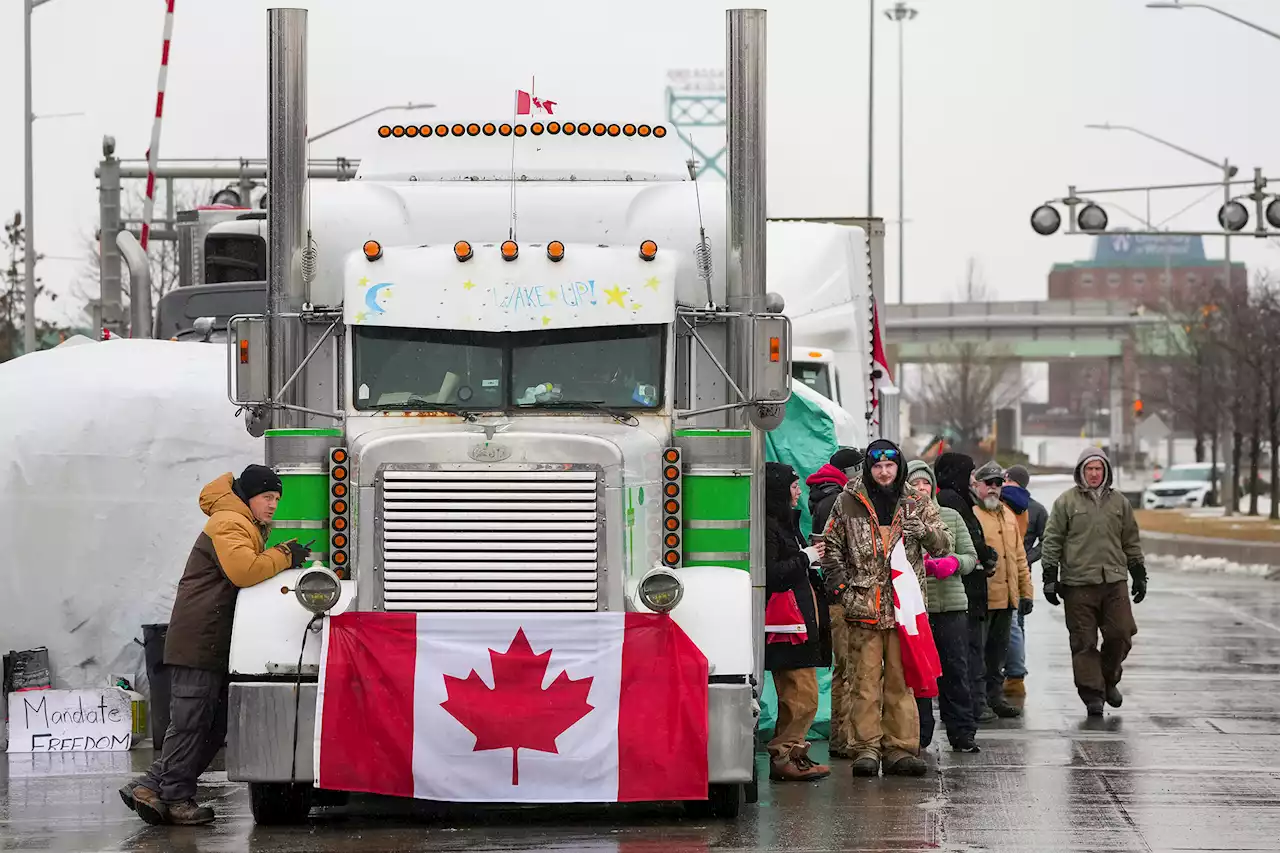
<point x="29" y="190"/>
<point x="1172" y="4"/>
<point x="370" y="114"/>
<point x="871" y="106"/>
<point x="901" y="13"/>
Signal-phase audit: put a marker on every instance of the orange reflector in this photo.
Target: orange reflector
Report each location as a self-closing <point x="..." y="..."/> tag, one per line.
<point x="584" y="129"/>
<point x="672" y="540"/>
<point x="372" y="249"/>
<point x="555" y="250"/>
<point x="339" y="507"/>
<point x="339" y="523"/>
<point x="671" y="557"/>
<point x="521" y="130"/>
<point x="425" y="130"/>
<point x="672" y="490"/>
<point x="462" y="250"/>
<point x="510" y="251"/>
<point x="490" y="129"/>
<point x="537" y="127"/>
<point x="599" y="130"/>
<point x="340" y="541"/>
<point x="340" y="557"/>
<point x="342" y="574"/>
<point x="442" y="130"/>
<point x="458" y="130"/>
<point x="614" y="130"/>
<point x="648" y="250"/>
<point x="339" y="490"/>
<point x="659" y="131"/>
<point x="569" y="129"/>
<point x="671" y="507"/>
<point x="384" y="131"/>
<point x="671" y="472"/>
<point x="774" y="353"/>
<point x="553" y="127"/>
<point x="244" y="352"/>
<point x="339" y="456"/>
<point x="629" y="130"/>
<point x="673" y="523"/>
<point x="397" y="131"/>
<point x="473" y="129"/>
<point x="411" y="130"/>
<point x="672" y="455"/>
<point x="340" y="473"/>
<point x="504" y="130"/>
<point x="815" y="355"/>
<point x="644" y="130"/>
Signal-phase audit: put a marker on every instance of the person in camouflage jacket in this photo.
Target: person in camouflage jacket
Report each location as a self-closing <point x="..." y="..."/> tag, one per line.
<point x="868" y="521"/>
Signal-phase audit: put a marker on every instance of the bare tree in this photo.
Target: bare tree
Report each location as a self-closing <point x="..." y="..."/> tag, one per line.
<point x="13" y="287"/>
<point x="972" y="380"/>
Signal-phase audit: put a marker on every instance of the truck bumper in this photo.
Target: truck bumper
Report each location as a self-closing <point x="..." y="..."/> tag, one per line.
<point x="260" y="733"/>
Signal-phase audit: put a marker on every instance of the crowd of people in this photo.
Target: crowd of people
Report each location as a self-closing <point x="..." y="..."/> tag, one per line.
<point x="970" y="534"/>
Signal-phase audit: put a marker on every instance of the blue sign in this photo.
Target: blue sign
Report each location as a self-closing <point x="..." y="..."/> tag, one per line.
<point x="1121" y="247"/>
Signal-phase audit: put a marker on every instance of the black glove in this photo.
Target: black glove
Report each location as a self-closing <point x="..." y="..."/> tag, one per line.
<point x="990" y="559"/>
<point x="1138" y="571"/>
<point x="1025" y="606"/>
<point x="1049" y="579"/>
<point x="297" y="553"/>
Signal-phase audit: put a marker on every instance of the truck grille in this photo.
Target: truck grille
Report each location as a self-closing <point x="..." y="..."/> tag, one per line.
<point x="490" y="540"/>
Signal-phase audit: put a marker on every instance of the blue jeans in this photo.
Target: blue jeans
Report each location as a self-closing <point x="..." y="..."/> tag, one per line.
<point x="1015" y="662"/>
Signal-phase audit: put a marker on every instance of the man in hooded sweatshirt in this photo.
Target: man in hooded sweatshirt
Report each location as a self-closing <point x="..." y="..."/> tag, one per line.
<point x="1032" y="517"/>
<point x="1092" y="539"/>
<point x="229" y="554"/>
<point x="871" y="517"/>
<point x="825" y="485"/>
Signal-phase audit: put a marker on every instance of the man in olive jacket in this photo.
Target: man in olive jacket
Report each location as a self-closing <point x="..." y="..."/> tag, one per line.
<point x="1092" y="539"/>
<point x="229" y="554"/>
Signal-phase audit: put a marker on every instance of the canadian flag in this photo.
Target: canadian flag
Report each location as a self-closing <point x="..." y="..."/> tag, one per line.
<point x="532" y="708"/>
<point x="527" y="103"/>
<point x="879" y="363"/>
<point x="920" y="664"/>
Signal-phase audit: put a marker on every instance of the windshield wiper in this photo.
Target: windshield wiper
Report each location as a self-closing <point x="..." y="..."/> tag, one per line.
<point x="417" y="404"/>
<point x="620" y="415"/>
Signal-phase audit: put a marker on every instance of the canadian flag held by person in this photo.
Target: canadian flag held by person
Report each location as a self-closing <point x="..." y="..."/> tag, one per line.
<point x="920" y="663"/>
<point x="533" y="708"/>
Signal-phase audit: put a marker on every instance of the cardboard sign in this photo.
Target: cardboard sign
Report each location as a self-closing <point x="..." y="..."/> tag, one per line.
<point x="97" y="720"/>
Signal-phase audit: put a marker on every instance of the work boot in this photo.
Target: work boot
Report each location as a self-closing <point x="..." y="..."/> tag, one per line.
<point x="146" y="803"/>
<point x="904" y="764"/>
<point x="1006" y="711"/>
<point x="965" y="744"/>
<point x="190" y="813"/>
<point x="986" y="715"/>
<point x="800" y="756"/>
<point x="1014" y="687"/>
<point x="126" y="795"/>
<point x="1094" y="707"/>
<point x="1114" y="697"/>
<point x="866" y="764"/>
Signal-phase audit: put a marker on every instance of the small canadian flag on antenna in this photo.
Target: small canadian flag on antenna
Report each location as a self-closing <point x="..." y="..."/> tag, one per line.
<point x="527" y="103"/>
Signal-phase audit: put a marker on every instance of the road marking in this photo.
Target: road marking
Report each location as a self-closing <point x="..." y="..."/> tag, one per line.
<point x="1227" y="608"/>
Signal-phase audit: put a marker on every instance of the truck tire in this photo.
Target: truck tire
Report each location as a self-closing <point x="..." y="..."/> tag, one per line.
<point x="752" y="792"/>
<point x="279" y="803"/>
<point x="723" y="802"/>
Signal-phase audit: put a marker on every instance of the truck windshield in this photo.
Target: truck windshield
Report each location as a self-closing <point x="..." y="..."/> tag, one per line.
<point x="815" y="375"/>
<point x="619" y="367"/>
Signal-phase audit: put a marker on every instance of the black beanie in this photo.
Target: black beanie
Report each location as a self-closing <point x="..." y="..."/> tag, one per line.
<point x="257" y="479"/>
<point x="846" y="458"/>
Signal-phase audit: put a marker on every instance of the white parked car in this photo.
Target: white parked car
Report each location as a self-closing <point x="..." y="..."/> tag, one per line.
<point x="1182" y="486"/>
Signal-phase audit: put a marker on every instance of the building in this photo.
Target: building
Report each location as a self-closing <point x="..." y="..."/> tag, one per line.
<point x="1157" y="271"/>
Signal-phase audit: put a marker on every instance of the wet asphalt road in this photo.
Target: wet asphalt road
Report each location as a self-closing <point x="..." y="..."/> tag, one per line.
<point x="1191" y="762"/>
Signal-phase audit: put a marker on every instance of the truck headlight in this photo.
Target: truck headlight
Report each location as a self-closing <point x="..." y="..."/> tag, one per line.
<point x="318" y="589"/>
<point x="661" y="590"/>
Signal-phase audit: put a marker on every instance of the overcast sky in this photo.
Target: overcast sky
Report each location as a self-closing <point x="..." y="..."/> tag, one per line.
<point x="998" y="92"/>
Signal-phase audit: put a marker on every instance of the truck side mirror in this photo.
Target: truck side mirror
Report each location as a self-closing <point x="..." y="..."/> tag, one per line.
<point x="247" y="361"/>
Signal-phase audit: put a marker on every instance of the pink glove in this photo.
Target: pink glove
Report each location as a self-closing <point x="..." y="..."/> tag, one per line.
<point x="941" y="567"/>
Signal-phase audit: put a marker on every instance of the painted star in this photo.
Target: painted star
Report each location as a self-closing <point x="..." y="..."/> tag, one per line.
<point x="635" y="306"/>
<point x="468" y="284"/>
<point x="360" y="316"/>
<point x="546" y="321"/>
<point x="363" y="282"/>
<point x="552" y="296"/>
<point x="616" y="296"/>
<point x="653" y="284"/>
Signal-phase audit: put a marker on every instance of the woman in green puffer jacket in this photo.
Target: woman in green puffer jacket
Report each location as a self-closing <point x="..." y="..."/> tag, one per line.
<point x="947" y="602"/>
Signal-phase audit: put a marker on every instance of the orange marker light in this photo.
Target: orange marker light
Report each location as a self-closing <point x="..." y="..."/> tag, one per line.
<point x="671" y="472"/>
<point x="458" y="130"/>
<point x="521" y="130"/>
<point x="384" y="131"/>
<point x="411" y="130"/>
<point x="341" y="573"/>
<point x="659" y="131"/>
<point x="629" y="130"/>
<point x="553" y="127"/>
<point x="339" y="490"/>
<point x="244" y="352"/>
<point x="815" y="355"/>
<point x="599" y="130"/>
<point x="570" y="129"/>
<point x="442" y="130"/>
<point x="671" y="558"/>
<point x="473" y="129"/>
<point x="672" y="490"/>
<point x="340" y="541"/>
<point x="584" y="129"/>
<point x="372" y="250"/>
<point x="673" y="523"/>
<point x="671" y="455"/>
<point x="397" y="131"/>
<point x="490" y="129"/>
<point x="644" y="130"/>
<point x="510" y="251"/>
<point x="775" y="353"/>
<point x="425" y="130"/>
<point x="671" y="507"/>
<point x="648" y="250"/>
<point x="340" y="473"/>
<point x="339" y="456"/>
<point x="537" y="127"/>
<point x="504" y="130"/>
<point x="339" y="557"/>
<point x="614" y="130"/>
<point x="339" y="507"/>
<point x="339" y="523"/>
<point x="555" y="251"/>
<point x="462" y="250"/>
<point x="672" y="540"/>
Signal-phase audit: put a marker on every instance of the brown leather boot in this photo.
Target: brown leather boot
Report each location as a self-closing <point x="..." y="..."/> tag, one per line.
<point x="190" y="813"/>
<point x="1015" y="687"/>
<point x="800" y="756"/>
<point x="146" y="803"/>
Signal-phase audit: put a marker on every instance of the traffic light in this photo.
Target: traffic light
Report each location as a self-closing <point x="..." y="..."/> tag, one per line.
<point x="1137" y="408"/>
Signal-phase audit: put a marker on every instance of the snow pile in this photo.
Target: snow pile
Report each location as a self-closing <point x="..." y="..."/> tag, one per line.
<point x="106" y="446"/>
<point x="1167" y="562"/>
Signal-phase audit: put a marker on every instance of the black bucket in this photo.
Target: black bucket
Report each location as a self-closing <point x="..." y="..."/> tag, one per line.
<point x="153" y="637"/>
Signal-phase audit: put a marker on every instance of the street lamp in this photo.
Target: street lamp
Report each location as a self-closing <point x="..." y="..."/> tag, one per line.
<point x="29" y="190"/>
<point x="370" y="114"/>
<point x="1172" y="4"/>
<point x="901" y="13"/>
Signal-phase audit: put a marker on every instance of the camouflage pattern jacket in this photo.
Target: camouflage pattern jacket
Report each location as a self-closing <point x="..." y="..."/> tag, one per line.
<point x="856" y="564"/>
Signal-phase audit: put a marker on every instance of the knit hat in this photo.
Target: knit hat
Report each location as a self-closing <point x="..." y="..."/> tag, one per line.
<point x="1019" y="474"/>
<point x="255" y="480"/>
<point x="846" y="458"/>
<point x="989" y="471"/>
<point x="778" y="478"/>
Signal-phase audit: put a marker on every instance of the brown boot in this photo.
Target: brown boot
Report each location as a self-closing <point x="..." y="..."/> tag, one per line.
<point x="146" y="803"/>
<point x="866" y="763"/>
<point x="1014" y="687"/>
<point x="786" y="768"/>
<point x="802" y="760"/>
<point x="190" y="813"/>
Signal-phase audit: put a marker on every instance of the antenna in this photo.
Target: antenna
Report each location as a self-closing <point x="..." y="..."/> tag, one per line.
<point x="702" y="256"/>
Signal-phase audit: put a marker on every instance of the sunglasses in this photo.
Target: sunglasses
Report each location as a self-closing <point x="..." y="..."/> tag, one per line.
<point x="883" y="454"/>
<point x="994" y="482"/>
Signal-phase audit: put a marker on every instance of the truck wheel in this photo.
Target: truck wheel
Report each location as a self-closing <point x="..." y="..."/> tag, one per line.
<point x="723" y="802"/>
<point x="277" y="803"/>
<point x="752" y="791"/>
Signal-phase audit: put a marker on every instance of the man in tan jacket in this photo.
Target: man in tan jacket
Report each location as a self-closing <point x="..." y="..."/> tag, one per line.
<point x="1009" y="590"/>
<point x="228" y="555"/>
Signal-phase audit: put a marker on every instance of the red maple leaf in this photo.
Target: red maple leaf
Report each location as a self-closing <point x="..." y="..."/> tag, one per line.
<point x="516" y="713"/>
